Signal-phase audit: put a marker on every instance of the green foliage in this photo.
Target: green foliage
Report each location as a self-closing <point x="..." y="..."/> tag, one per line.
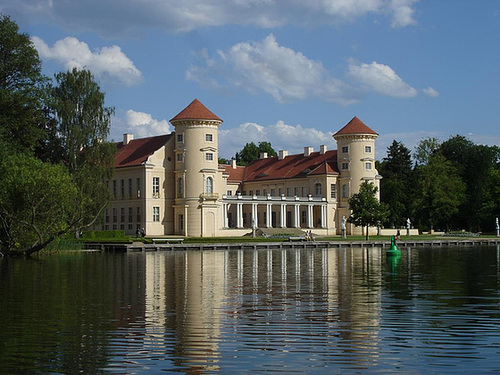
<point x="23" y="89"/>
<point x="366" y="209"/>
<point x="440" y="192"/>
<point x="252" y="152"/>
<point x="105" y="234"/>
<point x="425" y="149"/>
<point x="36" y="203"/>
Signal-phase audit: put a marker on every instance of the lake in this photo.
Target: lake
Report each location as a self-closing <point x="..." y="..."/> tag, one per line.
<point x="347" y="310"/>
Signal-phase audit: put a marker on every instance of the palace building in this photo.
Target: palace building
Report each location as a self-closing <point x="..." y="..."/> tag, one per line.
<point x="172" y="184"/>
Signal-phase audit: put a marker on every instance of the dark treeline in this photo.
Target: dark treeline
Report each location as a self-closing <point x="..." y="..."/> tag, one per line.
<point x="450" y="185"/>
<point x="54" y="157"/>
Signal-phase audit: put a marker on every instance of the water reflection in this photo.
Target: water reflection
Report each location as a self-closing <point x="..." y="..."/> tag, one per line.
<point x="298" y="310"/>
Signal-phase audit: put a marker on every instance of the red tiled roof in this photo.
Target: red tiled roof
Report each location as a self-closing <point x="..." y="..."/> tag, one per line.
<point x="235" y="174"/>
<point x="355" y="126"/>
<point x="292" y="166"/>
<point x="195" y="111"/>
<point x="137" y="151"/>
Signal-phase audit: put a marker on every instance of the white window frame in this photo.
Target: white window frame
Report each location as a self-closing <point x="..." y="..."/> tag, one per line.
<point x="209" y="137"/>
<point x="156" y="214"/>
<point x="368" y="166"/>
<point x="209" y="185"/>
<point x="156" y="186"/>
<point x="209" y="156"/>
<point x="368" y="149"/>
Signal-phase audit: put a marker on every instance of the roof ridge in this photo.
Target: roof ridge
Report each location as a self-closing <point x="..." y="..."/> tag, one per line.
<point x="195" y="110"/>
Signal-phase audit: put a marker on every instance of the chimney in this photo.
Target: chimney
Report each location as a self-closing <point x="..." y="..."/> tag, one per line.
<point x="308" y="151"/>
<point x="263" y="155"/>
<point x="127" y="138"/>
<point x="323" y="149"/>
<point x="282" y="154"/>
<point x="233" y="163"/>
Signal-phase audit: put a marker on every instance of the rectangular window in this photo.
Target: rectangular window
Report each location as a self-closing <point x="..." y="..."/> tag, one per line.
<point x="345" y="166"/>
<point x="368" y="166"/>
<point x="129" y="227"/>
<point x="180" y="138"/>
<point x="264" y="192"/>
<point x="303" y="217"/>
<point x="345" y="149"/>
<point x="251" y="193"/>
<point x="114" y="188"/>
<point x="156" y="186"/>
<point x="229" y="193"/>
<point x="280" y="192"/>
<point x="180" y="157"/>
<point x="296" y="191"/>
<point x="345" y="191"/>
<point x="257" y="192"/>
<point x="130" y="188"/>
<point x="122" y="187"/>
<point x="122" y="227"/>
<point x="130" y="215"/>
<point x="115" y="215"/>
<point x="209" y="156"/>
<point x="122" y="215"/>
<point x="368" y="149"/>
<point x="138" y="213"/>
<point x="156" y="213"/>
<point x="333" y="191"/>
<point x="107" y="215"/>
<point x="288" y="192"/>
<point x="138" y="187"/>
<point x="273" y="192"/>
<point x="209" y="137"/>
<point x="304" y="192"/>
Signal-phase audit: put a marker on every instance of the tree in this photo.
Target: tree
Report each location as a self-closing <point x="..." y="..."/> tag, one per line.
<point x="425" y="149"/>
<point x="366" y="209"/>
<point x="439" y="192"/>
<point x="83" y="125"/>
<point x="36" y="203"/>
<point x="23" y="90"/>
<point x="251" y="152"/>
<point x="396" y="185"/>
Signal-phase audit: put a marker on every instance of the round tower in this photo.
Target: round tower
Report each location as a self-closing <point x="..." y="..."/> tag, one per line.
<point x="196" y="170"/>
<point x="355" y="160"/>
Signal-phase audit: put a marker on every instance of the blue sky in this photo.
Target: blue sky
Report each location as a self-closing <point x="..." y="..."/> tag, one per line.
<point x="290" y="72"/>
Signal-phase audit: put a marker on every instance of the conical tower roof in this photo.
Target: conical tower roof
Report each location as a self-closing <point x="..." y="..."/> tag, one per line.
<point x="195" y="111"/>
<point x="355" y="126"/>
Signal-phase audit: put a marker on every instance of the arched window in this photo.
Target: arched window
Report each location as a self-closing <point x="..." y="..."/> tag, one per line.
<point x="317" y="190"/>
<point x="180" y="188"/>
<point x="209" y="185"/>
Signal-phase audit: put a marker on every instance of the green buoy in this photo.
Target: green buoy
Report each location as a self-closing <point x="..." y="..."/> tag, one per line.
<point x="394" y="248"/>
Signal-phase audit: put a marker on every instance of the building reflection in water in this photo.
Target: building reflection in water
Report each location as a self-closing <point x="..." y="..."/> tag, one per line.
<point x="218" y="304"/>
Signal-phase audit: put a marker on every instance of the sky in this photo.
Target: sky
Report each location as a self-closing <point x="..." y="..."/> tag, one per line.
<point x="290" y="72"/>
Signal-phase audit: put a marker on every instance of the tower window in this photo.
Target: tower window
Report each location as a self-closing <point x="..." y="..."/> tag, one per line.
<point x="345" y="191"/>
<point x="156" y="213"/>
<point x="180" y="138"/>
<point x="333" y="191"/>
<point x="345" y="149"/>
<point x="368" y="166"/>
<point x="317" y="190"/>
<point x="345" y="166"/>
<point x="209" y="137"/>
<point x="209" y="156"/>
<point x="180" y="188"/>
<point x="156" y="186"/>
<point x="368" y="149"/>
<point x="180" y="158"/>
<point x="209" y="185"/>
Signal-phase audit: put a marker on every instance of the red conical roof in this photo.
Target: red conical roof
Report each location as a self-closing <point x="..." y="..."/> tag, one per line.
<point x="196" y="111"/>
<point x="355" y="126"/>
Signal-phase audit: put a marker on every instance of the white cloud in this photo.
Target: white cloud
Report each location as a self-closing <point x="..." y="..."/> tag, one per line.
<point x="107" y="62"/>
<point x="429" y="91"/>
<point x="380" y="78"/>
<point x="113" y="17"/>
<point x="276" y="70"/>
<point x="140" y="124"/>
<point x="292" y="138"/>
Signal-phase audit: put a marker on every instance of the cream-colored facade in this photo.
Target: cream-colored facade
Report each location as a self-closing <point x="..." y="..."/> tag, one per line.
<point x="173" y="185"/>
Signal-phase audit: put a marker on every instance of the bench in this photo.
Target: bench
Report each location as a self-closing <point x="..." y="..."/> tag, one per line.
<point x="296" y="238"/>
<point x="167" y="240"/>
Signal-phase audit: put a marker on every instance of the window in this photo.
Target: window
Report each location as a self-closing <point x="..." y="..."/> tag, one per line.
<point x="130" y="215"/>
<point x="114" y="188"/>
<point x="304" y="192"/>
<point x="156" y="213"/>
<point x="345" y="191"/>
<point x="317" y="190"/>
<point x="115" y="215"/>
<point x="180" y="138"/>
<point x="138" y="213"/>
<point x="156" y="186"/>
<point x="257" y="192"/>
<point x="209" y="137"/>
<point x="333" y="191"/>
<point x="288" y="192"/>
<point x="345" y="149"/>
<point x="122" y="215"/>
<point x="138" y="187"/>
<point x="209" y="185"/>
<point x="368" y="166"/>
<point x="209" y="156"/>
<point x="251" y="193"/>
<point x="273" y="192"/>
<point x="345" y="166"/>
<point x="180" y="157"/>
<point x="180" y="188"/>
<point x="181" y="222"/>
<point x="280" y="192"/>
<point x="229" y="193"/>
<point x="122" y="186"/>
<point x="107" y="215"/>
<point x="368" y="149"/>
<point x="303" y="217"/>
<point x="130" y="188"/>
<point x="296" y="191"/>
<point x="265" y="192"/>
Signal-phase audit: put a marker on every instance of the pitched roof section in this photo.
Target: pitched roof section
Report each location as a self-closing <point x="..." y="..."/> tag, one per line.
<point x="355" y="126"/>
<point x="235" y="174"/>
<point x="196" y="111"/>
<point x="292" y="166"/>
<point x="137" y="151"/>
